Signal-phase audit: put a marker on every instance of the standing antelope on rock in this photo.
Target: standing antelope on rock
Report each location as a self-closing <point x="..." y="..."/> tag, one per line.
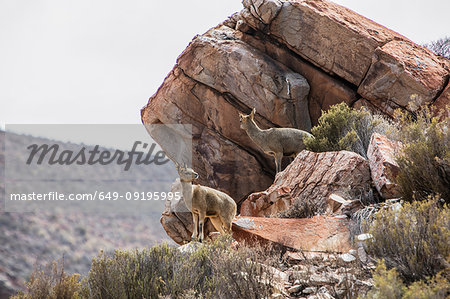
<point x="277" y="142"/>
<point x="205" y="202"/>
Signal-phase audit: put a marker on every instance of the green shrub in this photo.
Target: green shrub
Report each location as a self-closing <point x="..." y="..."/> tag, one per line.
<point x="414" y="239"/>
<point x="388" y="285"/>
<point x="52" y="282"/>
<point x="345" y="128"/>
<point x="424" y="160"/>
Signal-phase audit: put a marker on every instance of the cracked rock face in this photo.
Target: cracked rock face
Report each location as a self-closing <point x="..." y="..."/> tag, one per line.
<point x="379" y="64"/>
<point x="328" y="35"/>
<point x="215" y="78"/>
<point x="227" y="65"/>
<point x="312" y="177"/>
<point x="383" y="167"/>
<point x="290" y="60"/>
<point x="402" y="72"/>
<point x="317" y="234"/>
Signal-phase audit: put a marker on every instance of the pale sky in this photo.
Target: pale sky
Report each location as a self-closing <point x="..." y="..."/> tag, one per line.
<point x="98" y="61"/>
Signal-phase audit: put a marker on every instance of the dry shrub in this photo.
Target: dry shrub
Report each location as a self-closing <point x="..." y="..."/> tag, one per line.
<point x="414" y="239"/>
<point x="424" y="161"/>
<point x="131" y="274"/>
<point x="52" y="282"/>
<point x="213" y="270"/>
<point x="441" y="47"/>
<point x="302" y="208"/>
<point x="388" y="284"/>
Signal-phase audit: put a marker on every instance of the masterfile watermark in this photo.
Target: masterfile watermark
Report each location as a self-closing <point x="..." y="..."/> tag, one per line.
<point x="96" y="168"/>
<point x="97" y="195"/>
<point x="94" y="156"/>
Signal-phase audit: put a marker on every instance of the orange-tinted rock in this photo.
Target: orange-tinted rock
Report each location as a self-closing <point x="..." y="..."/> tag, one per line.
<point x="363" y="103"/>
<point x="383" y="168"/>
<point x="312" y="177"/>
<point x="442" y="104"/>
<point x="330" y="36"/>
<point x="222" y="153"/>
<point x="259" y="58"/>
<point x="401" y="72"/>
<point x="325" y="90"/>
<point x="221" y="61"/>
<point x="319" y="233"/>
<point x="340" y="206"/>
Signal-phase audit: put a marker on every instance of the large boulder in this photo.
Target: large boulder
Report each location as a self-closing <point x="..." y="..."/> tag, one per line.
<point x="222" y="153"/>
<point x="290" y="60"/>
<point x="384" y="66"/>
<point x="228" y="65"/>
<point x="325" y="90"/>
<point x="328" y="35"/>
<point x="383" y="168"/>
<point x="215" y="78"/>
<point x="320" y="233"/>
<point x="311" y="177"/>
<point x="402" y="71"/>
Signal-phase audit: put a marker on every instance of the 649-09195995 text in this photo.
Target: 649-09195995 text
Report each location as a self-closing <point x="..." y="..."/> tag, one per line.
<point x="97" y="195"/>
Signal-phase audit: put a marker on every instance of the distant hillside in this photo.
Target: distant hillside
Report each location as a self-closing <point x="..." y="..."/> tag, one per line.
<point x="27" y="239"/>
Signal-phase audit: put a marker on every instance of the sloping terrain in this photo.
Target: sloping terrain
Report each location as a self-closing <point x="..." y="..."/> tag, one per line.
<point x="29" y="239"/>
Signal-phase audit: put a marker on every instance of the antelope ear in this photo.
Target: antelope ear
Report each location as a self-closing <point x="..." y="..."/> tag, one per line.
<point x="252" y="114"/>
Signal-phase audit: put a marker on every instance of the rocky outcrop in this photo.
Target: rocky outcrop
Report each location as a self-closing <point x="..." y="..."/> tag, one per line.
<point x="311" y="177"/>
<point x="383" y="167"/>
<point x="223" y="155"/>
<point x="290" y="60"/>
<point x="221" y="61"/>
<point x="401" y="72"/>
<point x="320" y="233"/>
<point x="209" y="94"/>
<point x="382" y="64"/>
<point x="325" y="90"/>
<point x="334" y="38"/>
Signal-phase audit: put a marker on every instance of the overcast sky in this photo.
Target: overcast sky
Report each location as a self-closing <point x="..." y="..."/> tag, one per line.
<point x="98" y="61"/>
